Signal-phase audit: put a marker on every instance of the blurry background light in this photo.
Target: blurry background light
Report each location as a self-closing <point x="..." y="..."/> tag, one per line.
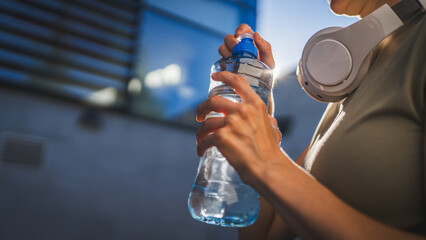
<point x="104" y="97"/>
<point x="163" y="77"/>
<point x="134" y="86"/>
<point x="186" y="92"/>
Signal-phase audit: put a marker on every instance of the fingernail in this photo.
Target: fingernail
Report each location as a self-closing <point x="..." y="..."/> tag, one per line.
<point x="213" y="75"/>
<point x="198" y="118"/>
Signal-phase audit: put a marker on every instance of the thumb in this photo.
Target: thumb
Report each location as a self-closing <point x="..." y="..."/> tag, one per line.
<point x="242" y="28"/>
<point x="265" y="51"/>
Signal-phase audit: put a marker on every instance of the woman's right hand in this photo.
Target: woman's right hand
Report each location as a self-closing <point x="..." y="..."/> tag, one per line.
<point x="264" y="48"/>
<point x="269" y="225"/>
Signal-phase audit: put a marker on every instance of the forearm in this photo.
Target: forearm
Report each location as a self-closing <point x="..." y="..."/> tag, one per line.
<point x="268" y="226"/>
<point x="260" y="228"/>
<point x="314" y="212"/>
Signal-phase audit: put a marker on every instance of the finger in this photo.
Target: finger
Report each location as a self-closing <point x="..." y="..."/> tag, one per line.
<point x="265" y="51"/>
<point x="224" y="51"/>
<point x="271" y="106"/>
<point x="273" y="121"/>
<point x="209" y="126"/>
<point x="216" y="104"/>
<point x="220" y="138"/>
<point x="238" y="83"/>
<point x="230" y="42"/>
<point x="243" y="28"/>
<point x="207" y="142"/>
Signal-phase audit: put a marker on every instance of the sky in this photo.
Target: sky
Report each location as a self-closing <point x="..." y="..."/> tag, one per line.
<point x="288" y="24"/>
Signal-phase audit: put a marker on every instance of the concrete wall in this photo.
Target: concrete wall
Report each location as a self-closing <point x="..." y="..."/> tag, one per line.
<point x="301" y="112"/>
<point x="127" y="179"/>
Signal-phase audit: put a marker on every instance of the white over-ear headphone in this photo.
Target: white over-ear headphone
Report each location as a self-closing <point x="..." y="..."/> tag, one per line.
<point x="335" y="60"/>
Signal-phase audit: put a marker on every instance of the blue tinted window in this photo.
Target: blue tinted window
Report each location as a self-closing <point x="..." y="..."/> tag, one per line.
<point x="150" y="58"/>
<point x="222" y="16"/>
<point x="172" y="48"/>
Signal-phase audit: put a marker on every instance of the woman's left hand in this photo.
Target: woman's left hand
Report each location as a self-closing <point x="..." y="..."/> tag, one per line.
<point x="245" y="135"/>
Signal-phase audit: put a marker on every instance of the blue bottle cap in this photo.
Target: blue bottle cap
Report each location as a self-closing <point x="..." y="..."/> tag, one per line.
<point x="245" y="47"/>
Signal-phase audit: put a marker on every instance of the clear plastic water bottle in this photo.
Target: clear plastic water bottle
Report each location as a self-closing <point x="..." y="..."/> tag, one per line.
<point x="218" y="195"/>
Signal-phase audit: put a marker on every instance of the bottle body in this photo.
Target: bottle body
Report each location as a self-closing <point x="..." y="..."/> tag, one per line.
<point x="218" y="195"/>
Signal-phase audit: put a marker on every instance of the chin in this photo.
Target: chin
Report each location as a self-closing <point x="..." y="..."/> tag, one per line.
<point x="339" y="6"/>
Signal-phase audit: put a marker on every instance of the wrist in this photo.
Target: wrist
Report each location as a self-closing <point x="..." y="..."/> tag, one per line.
<point x="269" y="169"/>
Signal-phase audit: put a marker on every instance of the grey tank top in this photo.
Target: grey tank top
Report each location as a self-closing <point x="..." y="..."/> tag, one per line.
<point x="368" y="149"/>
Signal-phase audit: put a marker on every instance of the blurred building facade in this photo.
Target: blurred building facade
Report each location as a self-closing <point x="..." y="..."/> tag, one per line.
<point x="97" y="98"/>
<point x="97" y="106"/>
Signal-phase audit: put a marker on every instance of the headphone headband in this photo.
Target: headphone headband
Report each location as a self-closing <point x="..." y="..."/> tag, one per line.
<point x="406" y="9"/>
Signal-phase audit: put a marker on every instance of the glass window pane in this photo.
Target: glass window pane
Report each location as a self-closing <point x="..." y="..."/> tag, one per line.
<point x="173" y="68"/>
<point x="68" y="49"/>
<point x="221" y="16"/>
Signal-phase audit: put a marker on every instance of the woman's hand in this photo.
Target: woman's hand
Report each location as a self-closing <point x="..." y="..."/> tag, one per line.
<point x="245" y="135"/>
<point x="264" y="48"/>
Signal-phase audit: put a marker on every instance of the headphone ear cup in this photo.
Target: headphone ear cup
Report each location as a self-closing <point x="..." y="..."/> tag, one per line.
<point x="365" y="66"/>
<point x="328" y="62"/>
<point x="317" y="91"/>
<point x="322" y="32"/>
<point x="313" y="72"/>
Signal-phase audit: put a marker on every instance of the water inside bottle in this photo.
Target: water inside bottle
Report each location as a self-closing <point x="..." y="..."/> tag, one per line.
<point x="219" y="196"/>
<point x="224" y="203"/>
